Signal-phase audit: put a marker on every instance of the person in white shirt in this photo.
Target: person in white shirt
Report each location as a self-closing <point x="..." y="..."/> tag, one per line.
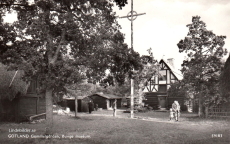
<point x="176" y="109"/>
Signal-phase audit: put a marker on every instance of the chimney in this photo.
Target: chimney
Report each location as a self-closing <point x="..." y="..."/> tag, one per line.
<point x="171" y="62"/>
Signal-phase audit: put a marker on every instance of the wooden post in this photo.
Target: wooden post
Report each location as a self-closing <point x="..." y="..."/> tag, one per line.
<point x="37" y="105"/>
<point x="115" y="108"/>
<point x="76" y="106"/>
<point x="131" y="99"/>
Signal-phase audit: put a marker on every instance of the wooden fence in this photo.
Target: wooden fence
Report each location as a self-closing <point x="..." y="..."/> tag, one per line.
<point x="219" y="112"/>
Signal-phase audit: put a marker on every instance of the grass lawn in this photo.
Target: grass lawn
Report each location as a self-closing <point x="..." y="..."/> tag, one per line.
<point x="101" y="128"/>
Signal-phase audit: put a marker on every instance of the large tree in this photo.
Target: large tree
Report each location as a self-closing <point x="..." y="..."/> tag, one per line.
<point x="62" y="41"/>
<point x="202" y="67"/>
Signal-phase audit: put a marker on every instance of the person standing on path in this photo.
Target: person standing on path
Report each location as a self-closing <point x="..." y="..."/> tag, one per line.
<point x="176" y="109"/>
<point x="114" y="105"/>
<point x="96" y="107"/>
<point x="90" y="105"/>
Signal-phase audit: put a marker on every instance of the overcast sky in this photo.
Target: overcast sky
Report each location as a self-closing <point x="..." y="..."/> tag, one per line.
<point x="164" y="24"/>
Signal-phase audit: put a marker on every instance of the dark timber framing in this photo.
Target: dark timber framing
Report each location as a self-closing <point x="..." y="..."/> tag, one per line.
<point x="152" y="85"/>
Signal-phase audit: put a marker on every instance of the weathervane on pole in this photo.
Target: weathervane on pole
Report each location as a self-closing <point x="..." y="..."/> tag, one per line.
<point x="132" y="15"/>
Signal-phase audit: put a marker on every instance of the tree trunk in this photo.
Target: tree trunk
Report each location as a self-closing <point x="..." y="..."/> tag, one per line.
<point x="76" y="106"/>
<point x="49" y="111"/>
<point x="114" y="112"/>
<point x="206" y="111"/>
<point x="200" y="110"/>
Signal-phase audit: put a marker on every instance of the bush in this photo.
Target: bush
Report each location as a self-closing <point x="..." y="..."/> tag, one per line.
<point x="149" y="108"/>
<point x="183" y="108"/>
<point x="141" y="108"/>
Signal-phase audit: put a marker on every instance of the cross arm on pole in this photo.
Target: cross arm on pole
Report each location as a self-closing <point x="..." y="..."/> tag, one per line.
<point x="133" y="15"/>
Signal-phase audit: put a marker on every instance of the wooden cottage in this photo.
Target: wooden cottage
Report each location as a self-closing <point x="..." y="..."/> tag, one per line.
<point x="18" y="99"/>
<point x="157" y="86"/>
<point x="105" y="101"/>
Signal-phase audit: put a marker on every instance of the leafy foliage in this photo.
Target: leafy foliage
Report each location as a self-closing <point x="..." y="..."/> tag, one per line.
<point x="141" y="76"/>
<point x="202" y="67"/>
<point x="177" y="89"/>
<point x="121" y="3"/>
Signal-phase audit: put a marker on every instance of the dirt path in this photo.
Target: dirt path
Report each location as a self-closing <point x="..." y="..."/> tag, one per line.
<point x="127" y="116"/>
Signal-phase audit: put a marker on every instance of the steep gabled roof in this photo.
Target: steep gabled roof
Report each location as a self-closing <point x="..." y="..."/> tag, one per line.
<point x="174" y="71"/>
<point x="11" y="83"/>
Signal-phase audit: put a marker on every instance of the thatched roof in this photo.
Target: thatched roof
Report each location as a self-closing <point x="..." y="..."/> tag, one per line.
<point x="84" y="89"/>
<point x="107" y="96"/>
<point x="11" y="83"/>
<point x="73" y="98"/>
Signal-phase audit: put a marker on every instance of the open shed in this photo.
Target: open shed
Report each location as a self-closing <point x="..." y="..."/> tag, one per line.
<point x="105" y="101"/>
<point x="82" y="102"/>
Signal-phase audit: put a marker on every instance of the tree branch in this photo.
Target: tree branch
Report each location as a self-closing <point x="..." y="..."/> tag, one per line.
<point x="14" y="4"/>
<point x="54" y="59"/>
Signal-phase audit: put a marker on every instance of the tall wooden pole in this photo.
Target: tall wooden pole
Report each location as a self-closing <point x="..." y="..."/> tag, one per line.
<point x="132" y="15"/>
<point x="132" y="24"/>
<point x="132" y="81"/>
<point x="132" y="99"/>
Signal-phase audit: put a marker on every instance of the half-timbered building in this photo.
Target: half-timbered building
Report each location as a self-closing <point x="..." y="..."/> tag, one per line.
<point x="157" y="86"/>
